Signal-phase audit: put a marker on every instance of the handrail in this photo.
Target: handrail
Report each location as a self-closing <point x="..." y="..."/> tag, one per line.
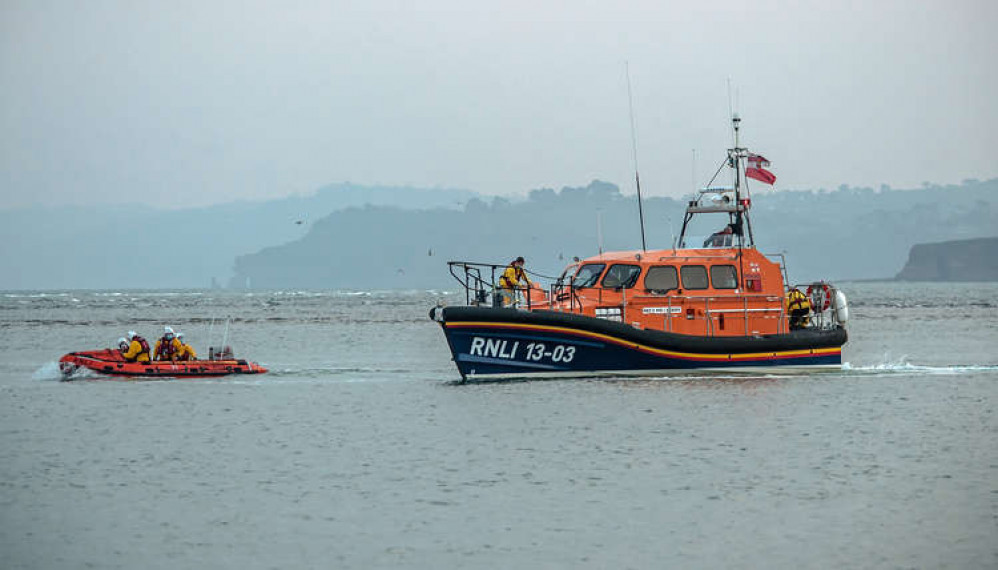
<point x="783" y="266"/>
<point x="480" y="285"/>
<point x="485" y="292"/>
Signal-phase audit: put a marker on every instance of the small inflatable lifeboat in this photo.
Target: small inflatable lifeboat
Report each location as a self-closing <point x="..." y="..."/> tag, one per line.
<point x="109" y="362"/>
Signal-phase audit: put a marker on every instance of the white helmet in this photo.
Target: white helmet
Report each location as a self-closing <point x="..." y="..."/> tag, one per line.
<point x="122" y="341"/>
<point x="131" y="335"/>
<point x="180" y="335"/>
<point x="168" y="330"/>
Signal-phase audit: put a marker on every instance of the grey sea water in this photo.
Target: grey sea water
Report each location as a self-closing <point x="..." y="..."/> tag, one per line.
<point x="359" y="450"/>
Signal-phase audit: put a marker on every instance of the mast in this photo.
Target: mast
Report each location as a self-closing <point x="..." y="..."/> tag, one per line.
<point x="634" y="147"/>
<point x="736" y="123"/>
<point x="713" y="200"/>
<point x="736" y="155"/>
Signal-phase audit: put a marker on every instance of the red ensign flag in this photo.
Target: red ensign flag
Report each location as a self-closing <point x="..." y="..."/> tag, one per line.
<point x="756" y="170"/>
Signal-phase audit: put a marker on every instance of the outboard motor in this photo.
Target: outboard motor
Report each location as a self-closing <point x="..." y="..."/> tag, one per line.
<point x="220" y="353"/>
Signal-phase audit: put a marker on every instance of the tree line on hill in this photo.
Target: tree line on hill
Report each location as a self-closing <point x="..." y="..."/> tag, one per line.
<point x="352" y="236"/>
<point x="849" y="233"/>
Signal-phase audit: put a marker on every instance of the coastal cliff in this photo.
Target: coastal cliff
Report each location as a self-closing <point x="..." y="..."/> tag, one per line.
<point x="963" y="260"/>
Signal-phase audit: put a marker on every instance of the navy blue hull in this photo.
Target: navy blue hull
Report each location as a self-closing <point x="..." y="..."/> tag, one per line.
<point x="503" y="343"/>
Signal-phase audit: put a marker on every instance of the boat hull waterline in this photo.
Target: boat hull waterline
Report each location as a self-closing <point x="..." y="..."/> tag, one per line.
<point x="506" y="343"/>
<point x="110" y="363"/>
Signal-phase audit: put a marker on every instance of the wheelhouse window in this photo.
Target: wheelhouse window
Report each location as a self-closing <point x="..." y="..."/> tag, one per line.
<point x="724" y="277"/>
<point x="588" y="274"/>
<point x="694" y="277"/>
<point x="621" y="276"/>
<point x="662" y="278"/>
<point x="566" y="275"/>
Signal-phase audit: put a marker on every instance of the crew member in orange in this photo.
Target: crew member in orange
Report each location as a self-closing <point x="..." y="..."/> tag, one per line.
<point x="167" y="346"/>
<point x="138" y="348"/>
<point x="186" y="351"/>
<point x="509" y="283"/>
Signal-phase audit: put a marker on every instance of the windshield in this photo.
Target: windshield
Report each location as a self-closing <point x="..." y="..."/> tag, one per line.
<point x="589" y="274"/>
<point x="566" y="275"/>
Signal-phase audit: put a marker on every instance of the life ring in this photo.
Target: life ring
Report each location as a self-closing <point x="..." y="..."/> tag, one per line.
<point x="826" y="296"/>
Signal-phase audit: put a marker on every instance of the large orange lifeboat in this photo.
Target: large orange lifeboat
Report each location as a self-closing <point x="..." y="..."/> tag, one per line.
<point x="716" y="303"/>
<point x="109" y="362"/>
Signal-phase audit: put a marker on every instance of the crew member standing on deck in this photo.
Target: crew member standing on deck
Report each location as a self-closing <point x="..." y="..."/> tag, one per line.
<point x="798" y="308"/>
<point x="509" y="283"/>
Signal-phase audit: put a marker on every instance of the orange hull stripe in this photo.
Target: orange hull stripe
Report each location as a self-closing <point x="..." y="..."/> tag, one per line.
<point x="651" y="350"/>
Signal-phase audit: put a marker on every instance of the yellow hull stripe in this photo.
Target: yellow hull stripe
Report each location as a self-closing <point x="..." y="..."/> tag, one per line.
<point x="650" y="349"/>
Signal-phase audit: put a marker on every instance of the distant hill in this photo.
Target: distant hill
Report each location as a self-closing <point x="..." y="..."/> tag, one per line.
<point x="850" y="233"/>
<point x="962" y="260"/>
<point x="398" y="237"/>
<point x="130" y="246"/>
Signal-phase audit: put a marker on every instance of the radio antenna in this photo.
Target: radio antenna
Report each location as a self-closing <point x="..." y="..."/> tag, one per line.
<point x="731" y="110"/>
<point x="693" y="172"/>
<point x="634" y="148"/>
<point x="599" y="231"/>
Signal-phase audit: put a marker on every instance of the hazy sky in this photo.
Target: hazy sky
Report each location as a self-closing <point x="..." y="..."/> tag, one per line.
<point x="189" y="103"/>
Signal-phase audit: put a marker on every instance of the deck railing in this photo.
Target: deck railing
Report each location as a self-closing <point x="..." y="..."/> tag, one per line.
<point x="480" y="283"/>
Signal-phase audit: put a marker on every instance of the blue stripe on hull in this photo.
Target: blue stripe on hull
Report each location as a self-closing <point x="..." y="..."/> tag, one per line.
<point x="492" y="352"/>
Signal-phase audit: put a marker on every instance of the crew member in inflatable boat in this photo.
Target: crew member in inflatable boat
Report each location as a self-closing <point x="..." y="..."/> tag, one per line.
<point x="798" y="307"/>
<point x="186" y="351"/>
<point x="510" y="281"/>
<point x="167" y="347"/>
<point x="138" y="348"/>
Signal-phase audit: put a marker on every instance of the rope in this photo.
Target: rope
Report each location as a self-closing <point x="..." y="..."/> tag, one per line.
<point x="541" y="275"/>
<point x="719" y="168"/>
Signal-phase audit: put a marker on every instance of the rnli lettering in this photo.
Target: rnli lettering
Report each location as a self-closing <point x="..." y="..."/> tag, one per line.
<point x="560" y="353"/>
<point x="535" y="351"/>
<point x="493" y="347"/>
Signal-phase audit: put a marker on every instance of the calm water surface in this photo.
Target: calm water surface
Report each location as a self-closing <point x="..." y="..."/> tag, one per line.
<point x="360" y="451"/>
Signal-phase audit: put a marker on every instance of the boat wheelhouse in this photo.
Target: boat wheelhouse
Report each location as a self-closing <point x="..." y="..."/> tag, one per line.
<point x="706" y="303"/>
